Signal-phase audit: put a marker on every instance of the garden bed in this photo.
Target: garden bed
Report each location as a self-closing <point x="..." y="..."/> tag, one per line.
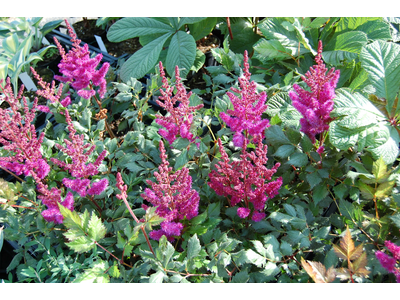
<point x="223" y="160"/>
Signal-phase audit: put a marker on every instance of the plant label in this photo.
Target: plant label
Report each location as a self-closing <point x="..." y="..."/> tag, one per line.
<point x="101" y="43"/>
<point x="27" y="81"/>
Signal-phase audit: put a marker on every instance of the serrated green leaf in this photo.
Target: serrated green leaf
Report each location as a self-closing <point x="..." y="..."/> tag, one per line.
<point x="381" y="60"/>
<point x="193" y="247"/>
<point x="96" y="229"/>
<point x="313" y="179"/>
<point x="128" y="28"/>
<point x="284" y="151"/>
<point x="275" y="136"/>
<point x="143" y="60"/>
<point x="181" y="53"/>
<point x="298" y="159"/>
<point x="200" y="29"/>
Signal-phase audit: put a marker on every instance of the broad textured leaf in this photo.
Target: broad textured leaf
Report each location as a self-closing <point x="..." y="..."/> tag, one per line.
<point x="128" y="28"/>
<point x="1" y="237"/>
<point x="191" y="20"/>
<point x="275" y="29"/>
<point x="345" y="46"/>
<point x="181" y="53"/>
<point x="360" y="122"/>
<point x="382" y="62"/>
<point x="266" y="50"/>
<point x="10" y="44"/>
<point x="200" y="29"/>
<point x="144" y="60"/>
<point x="281" y="105"/>
<point x="284" y="151"/>
<point x="298" y="159"/>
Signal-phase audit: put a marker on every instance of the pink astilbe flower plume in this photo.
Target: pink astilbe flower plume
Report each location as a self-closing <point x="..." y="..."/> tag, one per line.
<point x="18" y="136"/>
<point x="80" y="168"/>
<point x="389" y="262"/>
<point x="180" y="118"/>
<point x="80" y="70"/>
<point x="317" y="104"/>
<point x="173" y="196"/>
<point x="246" y="181"/>
<point x="245" y="118"/>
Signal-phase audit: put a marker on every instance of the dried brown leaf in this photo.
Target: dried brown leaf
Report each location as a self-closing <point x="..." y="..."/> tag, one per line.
<point x="359" y="265"/>
<point x="341" y="253"/>
<point x="358" y="251"/>
<point x="347" y="244"/>
<point x="342" y="273"/>
<point x="317" y="271"/>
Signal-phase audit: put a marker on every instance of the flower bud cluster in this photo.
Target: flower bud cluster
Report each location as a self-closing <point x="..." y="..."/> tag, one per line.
<point x="317" y="104"/>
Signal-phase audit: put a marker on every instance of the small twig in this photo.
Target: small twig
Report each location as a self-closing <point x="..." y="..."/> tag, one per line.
<point x="11" y="173"/>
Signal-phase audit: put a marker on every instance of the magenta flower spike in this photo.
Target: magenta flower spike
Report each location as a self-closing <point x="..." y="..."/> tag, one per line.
<point x="246" y="181"/>
<point x="173" y="196"/>
<point x="389" y="262"/>
<point x="79" y="69"/>
<point x="180" y="118"/>
<point x="245" y="118"/>
<point x="18" y="136"/>
<point x="317" y="104"/>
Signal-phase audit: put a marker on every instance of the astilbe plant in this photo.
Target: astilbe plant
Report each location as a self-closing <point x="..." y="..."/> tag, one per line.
<point x="389" y="262"/>
<point x="317" y="104"/>
<point x="180" y="118"/>
<point x="18" y="136"/>
<point x="173" y="196"/>
<point x="246" y="117"/>
<point x="246" y="181"/>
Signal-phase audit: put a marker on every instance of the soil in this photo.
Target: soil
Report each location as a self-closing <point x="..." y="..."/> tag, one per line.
<point x="86" y="30"/>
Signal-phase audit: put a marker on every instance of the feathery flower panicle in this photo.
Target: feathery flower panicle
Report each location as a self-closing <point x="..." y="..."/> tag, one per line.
<point x="245" y="119"/>
<point x="317" y="104"/>
<point x="389" y="262"/>
<point x="18" y="136"/>
<point x="79" y="168"/>
<point x="180" y="118"/>
<point x="49" y="92"/>
<point x="246" y="181"/>
<point x="79" y="69"/>
<point x="173" y="196"/>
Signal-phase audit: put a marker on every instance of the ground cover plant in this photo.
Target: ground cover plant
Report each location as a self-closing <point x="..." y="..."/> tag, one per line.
<point x="287" y="173"/>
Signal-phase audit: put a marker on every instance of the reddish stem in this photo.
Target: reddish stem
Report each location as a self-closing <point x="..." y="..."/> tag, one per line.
<point x="229" y="27"/>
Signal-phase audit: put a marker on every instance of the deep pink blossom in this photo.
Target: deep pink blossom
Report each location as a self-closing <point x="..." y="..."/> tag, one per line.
<point x="80" y="70"/>
<point x="389" y="262"/>
<point x="179" y="119"/>
<point x="80" y="152"/>
<point x="173" y="196"/>
<point x="248" y="106"/>
<point x="98" y="187"/>
<point x="18" y="136"/>
<point x="246" y="180"/>
<point x="317" y="104"/>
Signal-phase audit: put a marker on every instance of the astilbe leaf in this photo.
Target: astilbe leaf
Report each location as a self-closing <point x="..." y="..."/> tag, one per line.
<point x="318" y="272"/>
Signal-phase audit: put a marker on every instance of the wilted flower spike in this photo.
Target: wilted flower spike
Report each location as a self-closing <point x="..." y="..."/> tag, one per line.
<point x="245" y="119"/>
<point x="179" y="120"/>
<point x="173" y="196"/>
<point x="79" y="69"/>
<point x="317" y="104"/>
